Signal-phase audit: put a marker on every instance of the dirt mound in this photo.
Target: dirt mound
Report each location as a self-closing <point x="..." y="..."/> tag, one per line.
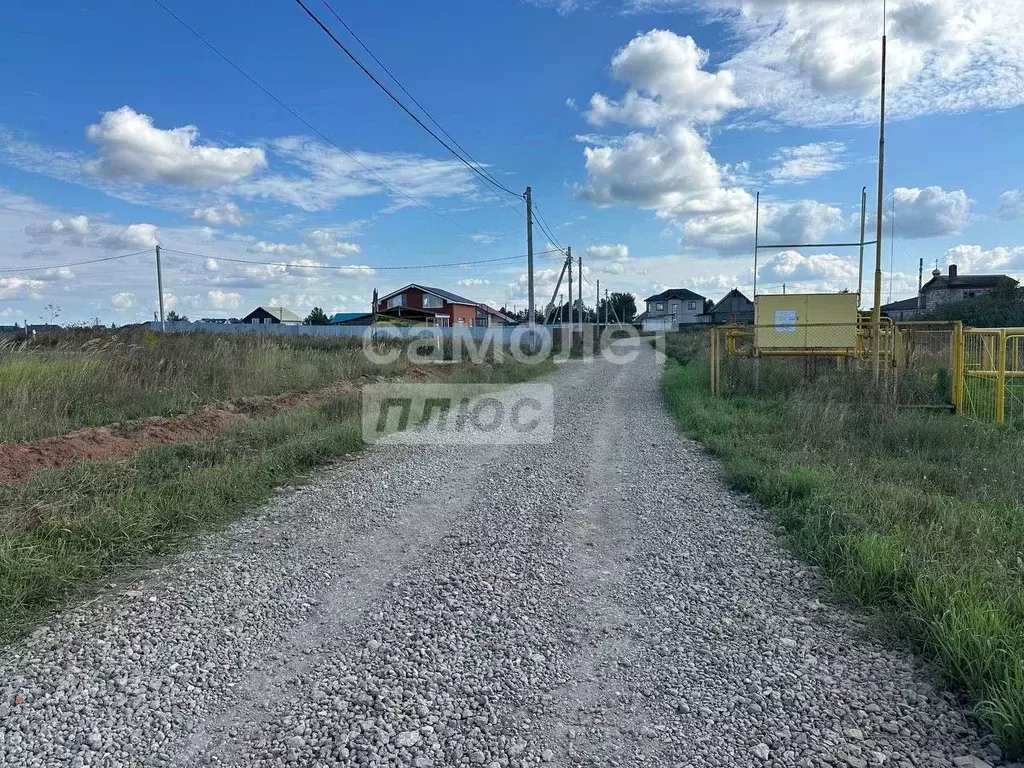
<point x="20" y="461"/>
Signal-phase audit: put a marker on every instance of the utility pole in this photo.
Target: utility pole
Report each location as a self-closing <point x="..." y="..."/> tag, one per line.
<point x="757" y="225"/>
<point x="580" y="271"/>
<point x="863" y="224"/>
<point x="160" y="289"/>
<point x="876" y="313"/>
<point x="597" y="305"/>
<point x="529" y="252"/>
<point x="569" y="261"/>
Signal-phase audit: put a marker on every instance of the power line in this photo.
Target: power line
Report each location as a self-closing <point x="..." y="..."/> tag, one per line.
<point x="404" y="108"/>
<point x="342" y="267"/>
<point x="543" y="224"/>
<point x="405" y="90"/>
<point x="398" y="191"/>
<point x="75" y="263"/>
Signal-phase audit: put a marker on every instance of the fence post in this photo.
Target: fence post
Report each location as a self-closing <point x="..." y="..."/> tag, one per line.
<point x="714" y="361"/>
<point x="1001" y="380"/>
<point x="957" y="358"/>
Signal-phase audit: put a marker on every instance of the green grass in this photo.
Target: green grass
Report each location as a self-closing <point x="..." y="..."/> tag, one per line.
<point x="68" y="528"/>
<point x="97" y="378"/>
<point x="917" y="514"/>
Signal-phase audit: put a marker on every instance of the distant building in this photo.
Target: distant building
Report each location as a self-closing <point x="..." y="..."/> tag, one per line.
<point x="946" y="289"/>
<point x="438" y="307"/>
<point x="733" y="309"/>
<point x="672" y="308"/>
<point x="272" y="316"/>
<point x="905" y="309"/>
<point x="352" y="318"/>
<point x="215" y="320"/>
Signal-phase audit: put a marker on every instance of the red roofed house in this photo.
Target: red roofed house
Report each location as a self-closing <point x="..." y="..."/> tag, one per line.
<point x="436" y="306"/>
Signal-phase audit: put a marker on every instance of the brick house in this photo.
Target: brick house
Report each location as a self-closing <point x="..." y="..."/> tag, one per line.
<point x="436" y="306"/>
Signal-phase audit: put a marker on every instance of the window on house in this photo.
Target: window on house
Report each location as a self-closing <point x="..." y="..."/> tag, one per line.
<point x="691" y="306"/>
<point x="659" y="306"/>
<point x="396" y="301"/>
<point x="432" y="302"/>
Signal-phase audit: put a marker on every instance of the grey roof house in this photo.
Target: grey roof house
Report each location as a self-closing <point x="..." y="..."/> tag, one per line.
<point x="946" y="289"/>
<point x="671" y="308"/>
<point x="733" y="309"/>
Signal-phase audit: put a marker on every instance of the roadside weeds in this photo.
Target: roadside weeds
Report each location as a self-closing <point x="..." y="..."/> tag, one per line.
<point x="917" y="514"/>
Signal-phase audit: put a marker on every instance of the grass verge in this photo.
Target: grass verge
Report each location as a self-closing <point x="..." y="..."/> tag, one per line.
<point x="68" y="528"/>
<point x="919" y="514"/>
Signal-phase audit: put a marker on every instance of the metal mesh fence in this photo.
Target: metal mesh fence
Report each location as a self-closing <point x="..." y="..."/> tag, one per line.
<point x="916" y="361"/>
<point x="993" y="375"/>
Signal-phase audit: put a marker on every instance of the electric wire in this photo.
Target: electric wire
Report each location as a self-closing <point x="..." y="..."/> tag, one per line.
<point x="405" y="90"/>
<point x="75" y="263"/>
<point x="389" y="185"/>
<point x="404" y="108"/>
<point x="345" y="267"/>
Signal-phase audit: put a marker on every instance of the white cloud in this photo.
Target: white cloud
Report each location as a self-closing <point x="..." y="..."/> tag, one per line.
<point x="211" y="265"/>
<point x="929" y="212"/>
<point x="326" y="243"/>
<point x="671" y="172"/>
<point x="613" y="253"/>
<point x="806" y="162"/>
<point x="215" y="215"/>
<point x="828" y="270"/>
<point x="224" y="299"/>
<point x="123" y="300"/>
<point x="818" y="61"/>
<point x="319" y="243"/>
<point x="975" y="259"/>
<point x="131" y="148"/>
<point x="134" y="236"/>
<point x="71" y="229"/>
<point x="1011" y="205"/>
<point x="20" y="288"/>
<point x="470" y="282"/>
<point x="327" y="176"/>
<point x="666" y="78"/>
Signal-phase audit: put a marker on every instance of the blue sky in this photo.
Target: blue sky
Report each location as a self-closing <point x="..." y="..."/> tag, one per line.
<point x="643" y="126"/>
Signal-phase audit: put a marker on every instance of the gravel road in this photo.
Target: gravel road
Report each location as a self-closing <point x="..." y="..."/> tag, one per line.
<point x="603" y="600"/>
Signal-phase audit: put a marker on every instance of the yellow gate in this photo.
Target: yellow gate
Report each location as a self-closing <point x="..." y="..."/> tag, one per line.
<point x="992" y="375"/>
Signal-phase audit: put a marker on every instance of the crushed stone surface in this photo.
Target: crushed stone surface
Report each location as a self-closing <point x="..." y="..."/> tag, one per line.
<point x="603" y="600"/>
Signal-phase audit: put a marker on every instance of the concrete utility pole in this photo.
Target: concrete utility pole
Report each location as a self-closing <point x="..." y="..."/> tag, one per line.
<point x="876" y="312"/>
<point x="530" y="320"/>
<point x="580" y="271"/>
<point x="160" y="289"/>
<point x="863" y="225"/>
<point x="757" y="226"/>
<point x="569" y="261"/>
<point x="597" y="305"/>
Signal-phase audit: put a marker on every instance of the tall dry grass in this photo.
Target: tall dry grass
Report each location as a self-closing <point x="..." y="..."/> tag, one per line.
<point x="88" y="380"/>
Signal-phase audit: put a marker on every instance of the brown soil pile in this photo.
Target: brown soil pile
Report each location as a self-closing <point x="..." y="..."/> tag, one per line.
<point x="20" y="461"/>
